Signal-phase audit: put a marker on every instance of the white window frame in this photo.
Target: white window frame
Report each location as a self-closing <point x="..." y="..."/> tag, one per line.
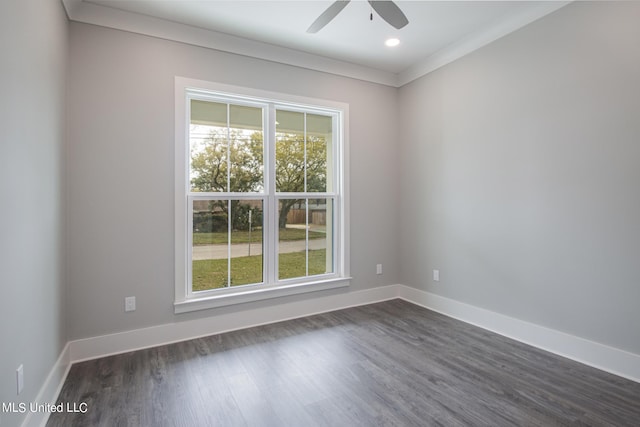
<point x="185" y="300"/>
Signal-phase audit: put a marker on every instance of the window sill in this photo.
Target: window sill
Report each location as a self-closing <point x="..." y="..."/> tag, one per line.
<point x="257" y="294"/>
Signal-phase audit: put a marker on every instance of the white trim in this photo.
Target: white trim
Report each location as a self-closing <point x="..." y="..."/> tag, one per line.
<point x="185" y="299"/>
<point x="122" y="342"/>
<point x="182" y="214"/>
<point x="251" y="293"/>
<point x="50" y="389"/>
<point x="596" y="355"/>
<point x="476" y="40"/>
<point x="271" y="206"/>
<point x="258" y="95"/>
<point x="599" y="356"/>
<point x="82" y="11"/>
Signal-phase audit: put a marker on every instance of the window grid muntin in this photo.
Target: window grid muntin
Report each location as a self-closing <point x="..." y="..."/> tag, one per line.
<point x="200" y="95"/>
<point x="219" y="197"/>
<point x="269" y="195"/>
<point x="335" y="232"/>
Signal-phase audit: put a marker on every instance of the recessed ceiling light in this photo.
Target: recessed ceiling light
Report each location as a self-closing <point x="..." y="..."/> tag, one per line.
<point x="392" y="42"/>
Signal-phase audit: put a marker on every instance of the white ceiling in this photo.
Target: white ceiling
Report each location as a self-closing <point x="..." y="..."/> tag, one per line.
<point x="438" y="31"/>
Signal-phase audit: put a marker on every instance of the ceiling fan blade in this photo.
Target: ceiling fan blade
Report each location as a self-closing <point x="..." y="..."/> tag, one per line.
<point x="327" y="15"/>
<point x="390" y="12"/>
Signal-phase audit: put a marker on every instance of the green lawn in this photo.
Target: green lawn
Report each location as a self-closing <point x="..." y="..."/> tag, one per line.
<point x="212" y="273"/>
<point x="256" y="236"/>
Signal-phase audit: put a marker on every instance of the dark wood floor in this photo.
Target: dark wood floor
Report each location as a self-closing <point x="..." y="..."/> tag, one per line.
<point x="391" y="363"/>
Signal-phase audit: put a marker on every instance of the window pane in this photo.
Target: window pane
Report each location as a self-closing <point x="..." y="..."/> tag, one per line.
<point x="290" y="166"/>
<point x="246" y="149"/>
<point x="246" y="242"/>
<point x="320" y="236"/>
<point x="227" y="144"/>
<point x="226" y="148"/>
<point x="319" y="143"/>
<point x="208" y="146"/>
<point x="208" y="113"/>
<point x="305" y="237"/>
<point x="209" y="252"/>
<point x="292" y="243"/>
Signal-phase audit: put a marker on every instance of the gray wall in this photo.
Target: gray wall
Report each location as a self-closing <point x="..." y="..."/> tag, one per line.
<point x="121" y="138"/>
<point x="520" y="170"/>
<point x="515" y="174"/>
<point x="33" y="45"/>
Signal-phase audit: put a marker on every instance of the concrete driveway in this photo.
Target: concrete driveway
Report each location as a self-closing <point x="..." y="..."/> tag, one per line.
<point x="242" y="249"/>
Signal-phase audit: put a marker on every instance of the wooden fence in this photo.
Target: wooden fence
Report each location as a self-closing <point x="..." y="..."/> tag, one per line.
<point x="316" y="217"/>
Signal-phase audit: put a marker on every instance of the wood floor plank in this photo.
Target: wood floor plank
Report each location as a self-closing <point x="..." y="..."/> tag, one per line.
<point x="386" y="364"/>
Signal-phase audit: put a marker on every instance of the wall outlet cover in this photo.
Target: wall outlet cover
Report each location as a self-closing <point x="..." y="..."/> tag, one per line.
<point x="20" y="379"/>
<point x="130" y="304"/>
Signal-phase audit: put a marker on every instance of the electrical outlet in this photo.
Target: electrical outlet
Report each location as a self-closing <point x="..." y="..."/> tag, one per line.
<point x="436" y="275"/>
<point x="130" y="304"/>
<point x="20" y="378"/>
<point x="378" y="268"/>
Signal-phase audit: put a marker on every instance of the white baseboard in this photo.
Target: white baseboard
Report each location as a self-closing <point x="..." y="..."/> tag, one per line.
<point x="122" y="342"/>
<point x="600" y="356"/>
<point x="50" y="389"/>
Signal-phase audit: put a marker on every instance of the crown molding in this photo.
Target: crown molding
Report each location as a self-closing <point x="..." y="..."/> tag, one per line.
<point x="89" y="13"/>
<point x="477" y="40"/>
<point x="85" y="12"/>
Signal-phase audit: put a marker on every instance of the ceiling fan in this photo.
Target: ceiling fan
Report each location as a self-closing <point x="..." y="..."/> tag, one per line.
<point x="387" y="10"/>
